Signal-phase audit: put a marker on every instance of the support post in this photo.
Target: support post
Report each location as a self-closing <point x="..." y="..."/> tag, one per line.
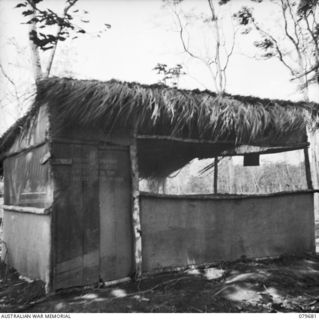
<point x="231" y="176"/>
<point x="216" y="175"/>
<point x="307" y="168"/>
<point x="136" y="221"/>
<point x="313" y="139"/>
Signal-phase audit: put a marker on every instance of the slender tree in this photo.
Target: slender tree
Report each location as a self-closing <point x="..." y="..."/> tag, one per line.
<point x="219" y="48"/>
<point x="293" y="39"/>
<point x="48" y="28"/>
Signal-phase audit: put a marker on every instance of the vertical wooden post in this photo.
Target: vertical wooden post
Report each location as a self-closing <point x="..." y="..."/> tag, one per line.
<point x="307" y="168"/>
<point x="216" y="175"/>
<point x="136" y="222"/>
<point x="231" y="175"/>
<point x="313" y="138"/>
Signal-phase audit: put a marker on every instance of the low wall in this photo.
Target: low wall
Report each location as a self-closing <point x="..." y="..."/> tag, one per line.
<point x="28" y="241"/>
<point x="180" y="230"/>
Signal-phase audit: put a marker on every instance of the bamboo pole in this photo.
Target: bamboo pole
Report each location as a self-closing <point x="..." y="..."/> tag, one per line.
<point x="307" y="168"/>
<point x="136" y="223"/>
<point x="224" y="196"/>
<point x="114" y="282"/>
<point x="178" y="139"/>
<point x="31" y="210"/>
<point x="240" y="150"/>
<point x="216" y="175"/>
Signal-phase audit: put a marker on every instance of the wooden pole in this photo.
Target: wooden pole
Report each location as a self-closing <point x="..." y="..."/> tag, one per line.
<point x="231" y="176"/>
<point x="136" y="221"/>
<point x="216" y="175"/>
<point x="307" y="168"/>
<point x="32" y="210"/>
<point x="313" y="138"/>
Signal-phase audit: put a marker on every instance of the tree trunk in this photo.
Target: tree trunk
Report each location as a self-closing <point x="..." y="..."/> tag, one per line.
<point x="35" y="55"/>
<point x="219" y="71"/>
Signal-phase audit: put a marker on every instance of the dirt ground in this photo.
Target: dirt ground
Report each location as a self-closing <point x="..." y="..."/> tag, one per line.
<point x="286" y="284"/>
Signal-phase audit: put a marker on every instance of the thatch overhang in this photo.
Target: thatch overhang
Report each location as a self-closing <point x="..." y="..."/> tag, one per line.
<point x="183" y="123"/>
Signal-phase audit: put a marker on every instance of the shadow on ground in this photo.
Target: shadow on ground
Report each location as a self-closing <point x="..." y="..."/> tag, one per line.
<point x="286" y="284"/>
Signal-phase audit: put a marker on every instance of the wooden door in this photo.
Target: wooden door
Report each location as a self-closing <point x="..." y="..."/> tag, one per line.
<point x="76" y="215"/>
<point x="116" y="246"/>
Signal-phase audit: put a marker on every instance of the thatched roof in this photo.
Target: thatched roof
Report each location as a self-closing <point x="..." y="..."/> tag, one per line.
<point x="157" y="109"/>
<point x="228" y="120"/>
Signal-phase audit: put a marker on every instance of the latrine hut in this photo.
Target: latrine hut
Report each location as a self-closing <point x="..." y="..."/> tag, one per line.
<point x="73" y="213"/>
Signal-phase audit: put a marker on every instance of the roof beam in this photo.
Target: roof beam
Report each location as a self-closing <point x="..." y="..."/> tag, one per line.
<point x="236" y="151"/>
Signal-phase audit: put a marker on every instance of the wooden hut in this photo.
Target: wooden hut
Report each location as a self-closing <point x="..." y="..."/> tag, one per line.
<point x="73" y="213"/>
